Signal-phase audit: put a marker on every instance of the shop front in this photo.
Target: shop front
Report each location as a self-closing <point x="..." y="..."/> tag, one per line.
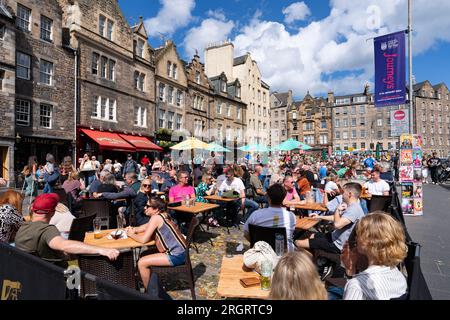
<point x="39" y="147"/>
<point x="109" y="145"/>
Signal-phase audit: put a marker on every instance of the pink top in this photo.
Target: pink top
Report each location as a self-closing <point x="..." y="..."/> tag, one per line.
<point x="290" y="195"/>
<point x="179" y="192"/>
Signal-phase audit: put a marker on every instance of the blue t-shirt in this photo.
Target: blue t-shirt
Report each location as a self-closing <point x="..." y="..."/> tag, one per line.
<point x="323" y="172"/>
<point x="369" y="163"/>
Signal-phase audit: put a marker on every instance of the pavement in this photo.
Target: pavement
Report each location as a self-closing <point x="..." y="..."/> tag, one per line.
<point x="432" y="231"/>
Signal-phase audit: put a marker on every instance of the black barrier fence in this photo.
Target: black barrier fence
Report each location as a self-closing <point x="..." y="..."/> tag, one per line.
<point x="24" y="276"/>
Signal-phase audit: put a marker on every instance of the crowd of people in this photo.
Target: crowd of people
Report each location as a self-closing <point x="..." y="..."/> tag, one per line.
<point x="264" y="193"/>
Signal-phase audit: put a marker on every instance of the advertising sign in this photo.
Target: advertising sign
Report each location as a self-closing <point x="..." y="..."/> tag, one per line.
<point x="390" y="69"/>
<point x="399" y="122"/>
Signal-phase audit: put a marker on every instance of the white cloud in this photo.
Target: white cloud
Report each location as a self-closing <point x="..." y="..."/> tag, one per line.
<point x="295" y="12"/>
<point x="173" y="15"/>
<point x="333" y="53"/>
<point x="213" y="29"/>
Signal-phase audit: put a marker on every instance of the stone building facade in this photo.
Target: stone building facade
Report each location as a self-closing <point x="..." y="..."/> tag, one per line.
<point x="309" y="121"/>
<point x="255" y="92"/>
<point x="432" y="117"/>
<point x="280" y="105"/>
<point x="116" y="72"/>
<point x="44" y="88"/>
<point x="199" y="99"/>
<point x="229" y="113"/>
<point x="359" y="126"/>
<point x="7" y="92"/>
<point x="171" y="88"/>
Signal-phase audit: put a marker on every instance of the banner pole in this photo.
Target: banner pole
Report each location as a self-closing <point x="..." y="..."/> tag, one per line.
<point x="411" y="89"/>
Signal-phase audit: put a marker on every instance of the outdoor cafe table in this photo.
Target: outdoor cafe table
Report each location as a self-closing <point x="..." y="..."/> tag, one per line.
<point x="199" y="207"/>
<point x="306" y="223"/>
<point x="118" y="244"/>
<point x="219" y="198"/>
<point x="229" y="285"/>
<point x="314" y="206"/>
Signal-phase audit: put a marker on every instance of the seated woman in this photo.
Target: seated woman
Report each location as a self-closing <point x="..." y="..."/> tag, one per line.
<point x="10" y="215"/>
<point x="381" y="239"/>
<point x="73" y="186"/>
<point x="296" y="278"/>
<point x="207" y="188"/>
<point x="141" y="200"/>
<point x="170" y="242"/>
<point x="108" y="184"/>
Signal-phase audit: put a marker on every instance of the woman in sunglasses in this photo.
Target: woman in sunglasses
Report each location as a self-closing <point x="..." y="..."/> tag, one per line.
<point x="170" y="243"/>
<point x="140" y="202"/>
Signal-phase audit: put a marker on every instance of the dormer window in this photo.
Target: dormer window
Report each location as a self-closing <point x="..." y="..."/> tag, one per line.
<point x="223" y="86"/>
<point x="174" y="71"/>
<point x="238" y="91"/>
<point x="197" y="77"/>
<point x="140" y="48"/>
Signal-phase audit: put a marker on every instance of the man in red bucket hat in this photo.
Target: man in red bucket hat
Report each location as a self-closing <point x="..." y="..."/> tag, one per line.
<point x="44" y="240"/>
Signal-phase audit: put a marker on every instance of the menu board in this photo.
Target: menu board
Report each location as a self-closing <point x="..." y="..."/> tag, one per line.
<point x="410" y="174"/>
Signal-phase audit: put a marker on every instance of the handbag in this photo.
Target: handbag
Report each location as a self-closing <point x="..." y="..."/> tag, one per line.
<point x="255" y="256"/>
<point x="230" y="194"/>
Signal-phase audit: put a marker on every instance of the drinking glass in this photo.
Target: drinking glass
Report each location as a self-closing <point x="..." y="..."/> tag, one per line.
<point x="120" y="222"/>
<point x="266" y="274"/>
<point x="97" y="224"/>
<point x="279" y="244"/>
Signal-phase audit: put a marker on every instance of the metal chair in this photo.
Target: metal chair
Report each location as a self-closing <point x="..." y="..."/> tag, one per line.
<point x="80" y="226"/>
<point x="62" y="195"/>
<point x="101" y="208"/>
<point x="266" y="234"/>
<point x="120" y="271"/>
<point x="185" y="268"/>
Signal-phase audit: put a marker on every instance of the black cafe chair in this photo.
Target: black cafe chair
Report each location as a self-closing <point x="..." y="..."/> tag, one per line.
<point x="266" y="234"/>
<point x="377" y="203"/>
<point x="80" y="226"/>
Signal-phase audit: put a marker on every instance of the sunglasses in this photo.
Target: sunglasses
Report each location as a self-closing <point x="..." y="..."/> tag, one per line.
<point x="146" y="185"/>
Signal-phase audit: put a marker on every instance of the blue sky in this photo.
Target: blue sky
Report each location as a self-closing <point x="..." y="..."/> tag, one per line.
<point x="303" y="45"/>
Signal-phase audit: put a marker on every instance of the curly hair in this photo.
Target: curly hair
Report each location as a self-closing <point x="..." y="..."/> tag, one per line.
<point x="296" y="278"/>
<point x="382" y="239"/>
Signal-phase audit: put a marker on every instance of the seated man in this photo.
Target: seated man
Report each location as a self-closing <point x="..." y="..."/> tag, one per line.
<point x="170" y="181"/>
<point x="182" y="190"/>
<point x="257" y="187"/>
<point x="376" y="186"/>
<point x="39" y="237"/>
<point x="292" y="197"/>
<point x="344" y="218"/>
<point x="275" y="216"/>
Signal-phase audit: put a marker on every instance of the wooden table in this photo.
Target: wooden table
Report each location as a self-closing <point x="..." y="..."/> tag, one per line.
<point x="311" y="206"/>
<point x="104" y="242"/>
<point x="199" y="207"/>
<point x="306" y="223"/>
<point x="218" y="198"/>
<point x="229" y="286"/>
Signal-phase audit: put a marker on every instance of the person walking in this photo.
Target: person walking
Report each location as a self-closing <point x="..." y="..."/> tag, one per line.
<point x="433" y="165"/>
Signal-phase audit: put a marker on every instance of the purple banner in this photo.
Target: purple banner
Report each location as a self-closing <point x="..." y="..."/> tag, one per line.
<point x="390" y="88"/>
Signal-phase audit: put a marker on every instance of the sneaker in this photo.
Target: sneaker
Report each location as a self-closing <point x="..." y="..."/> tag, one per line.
<point x="327" y="271"/>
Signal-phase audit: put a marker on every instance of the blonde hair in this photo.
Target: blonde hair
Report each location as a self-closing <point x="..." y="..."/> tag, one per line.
<point x="382" y="239"/>
<point x="141" y="189"/>
<point x="296" y="278"/>
<point x="73" y="176"/>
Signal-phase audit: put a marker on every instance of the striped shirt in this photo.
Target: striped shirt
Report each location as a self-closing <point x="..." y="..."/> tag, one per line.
<point x="376" y="283"/>
<point x="169" y="238"/>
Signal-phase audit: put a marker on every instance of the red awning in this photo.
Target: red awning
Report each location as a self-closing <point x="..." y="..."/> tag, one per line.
<point x="141" y="143"/>
<point x="108" y="140"/>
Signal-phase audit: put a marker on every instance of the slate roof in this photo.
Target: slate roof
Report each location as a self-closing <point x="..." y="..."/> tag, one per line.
<point x="239" y="60"/>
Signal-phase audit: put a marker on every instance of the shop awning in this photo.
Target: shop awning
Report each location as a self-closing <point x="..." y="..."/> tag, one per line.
<point x="108" y="140"/>
<point x="141" y="143"/>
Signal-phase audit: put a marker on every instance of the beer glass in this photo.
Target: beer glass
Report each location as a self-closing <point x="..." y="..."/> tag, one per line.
<point x="97" y="224"/>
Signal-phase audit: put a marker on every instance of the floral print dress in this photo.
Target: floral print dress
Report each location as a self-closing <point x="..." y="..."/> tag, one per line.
<point x="10" y="222"/>
<point x="200" y="191"/>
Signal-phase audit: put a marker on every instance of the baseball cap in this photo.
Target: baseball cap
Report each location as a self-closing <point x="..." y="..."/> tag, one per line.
<point x="45" y="203"/>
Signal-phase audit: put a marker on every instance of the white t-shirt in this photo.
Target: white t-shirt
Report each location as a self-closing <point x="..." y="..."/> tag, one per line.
<point x="117" y="166"/>
<point x="331" y="186"/>
<point x="275" y="218"/>
<point x="377" y="188"/>
<point x="236" y="185"/>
